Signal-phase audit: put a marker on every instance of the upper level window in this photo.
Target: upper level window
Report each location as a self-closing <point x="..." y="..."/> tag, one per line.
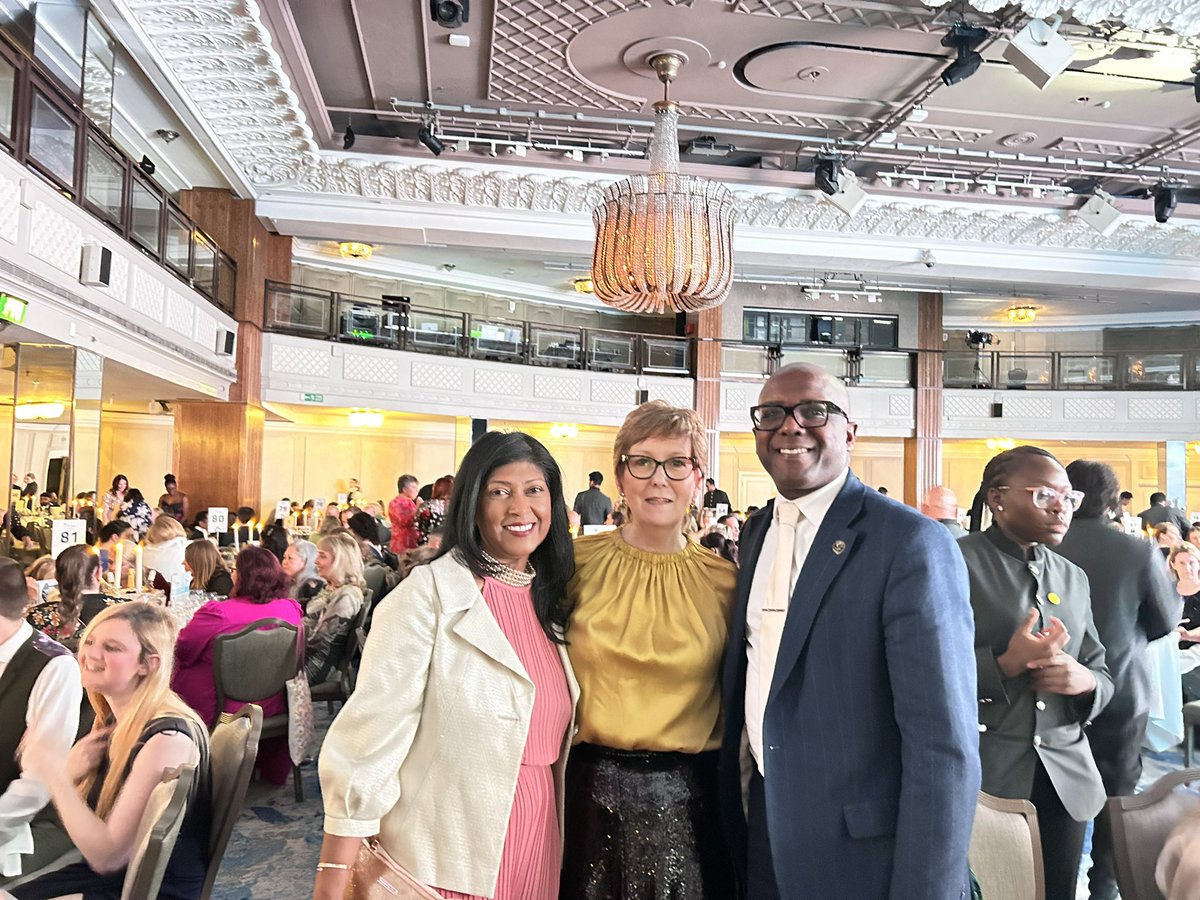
<point x="777" y="326"/>
<point x="52" y="138"/>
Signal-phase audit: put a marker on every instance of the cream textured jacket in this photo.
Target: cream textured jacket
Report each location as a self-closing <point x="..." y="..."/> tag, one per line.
<point x="426" y="751"/>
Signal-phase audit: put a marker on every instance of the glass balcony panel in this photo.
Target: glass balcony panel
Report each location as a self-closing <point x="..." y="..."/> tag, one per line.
<point x="204" y="265"/>
<point x="832" y="361"/>
<point x="1159" y="370"/>
<point x="1025" y="371"/>
<point x="226" y="283"/>
<point x="739" y="361"/>
<point x="179" y="242"/>
<point x="52" y="139"/>
<point x="557" y="346"/>
<point x="369" y="323"/>
<point x="667" y="355"/>
<point x="145" y="224"/>
<point x="434" y="332"/>
<point x="103" y="181"/>
<point x="885" y="370"/>
<point x="611" y="351"/>
<point x="497" y="340"/>
<point x="1076" y="372"/>
<point x="8" y="87"/>
<point x="966" y="370"/>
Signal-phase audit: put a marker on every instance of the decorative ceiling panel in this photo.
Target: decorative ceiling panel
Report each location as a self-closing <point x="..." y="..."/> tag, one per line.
<point x="1180" y="16"/>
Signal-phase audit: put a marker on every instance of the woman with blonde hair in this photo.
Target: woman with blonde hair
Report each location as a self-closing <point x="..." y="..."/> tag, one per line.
<point x="209" y="574"/>
<point x="646" y="640"/>
<point x="328" y="615"/>
<point x="163" y="550"/>
<point x="1184" y="563"/>
<point x="142" y="730"/>
<point x="1167" y="537"/>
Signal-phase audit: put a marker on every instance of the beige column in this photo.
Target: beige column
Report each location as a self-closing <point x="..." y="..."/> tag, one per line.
<point x="923" y="452"/>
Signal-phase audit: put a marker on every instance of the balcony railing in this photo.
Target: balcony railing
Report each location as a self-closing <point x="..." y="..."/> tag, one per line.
<point x="44" y="127"/>
<point x="396" y="324"/>
<point x="1125" y="371"/>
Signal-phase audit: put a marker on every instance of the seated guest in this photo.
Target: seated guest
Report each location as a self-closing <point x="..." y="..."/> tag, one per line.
<point x="208" y="570"/>
<point x="199" y="529"/>
<point x="1185" y="570"/>
<point x="163" y="550"/>
<point x="79" y="599"/>
<point x="241" y="524"/>
<point x="1040" y="666"/>
<point x="300" y="564"/>
<point x="136" y="511"/>
<point x="366" y="529"/>
<point x="328" y="615"/>
<point x="38" y="572"/>
<point x="275" y="538"/>
<point x="142" y="730"/>
<point x="40" y="695"/>
<point x="110" y="535"/>
<point x="260" y="592"/>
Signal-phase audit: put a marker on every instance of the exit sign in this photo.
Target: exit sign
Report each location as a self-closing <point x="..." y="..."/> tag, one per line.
<point x="314" y="398"/>
<point x="12" y="309"/>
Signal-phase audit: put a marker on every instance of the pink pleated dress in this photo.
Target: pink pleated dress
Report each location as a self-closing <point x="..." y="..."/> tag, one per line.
<point x="529" y="863"/>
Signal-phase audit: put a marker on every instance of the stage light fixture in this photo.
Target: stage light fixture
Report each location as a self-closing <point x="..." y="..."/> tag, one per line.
<point x="1038" y="52"/>
<point x="1166" y="198"/>
<point x="1100" y="213"/>
<point x="826" y="171"/>
<point x="450" y="13"/>
<point x="431" y="141"/>
<point x="964" y="39"/>
<point x="348" y="138"/>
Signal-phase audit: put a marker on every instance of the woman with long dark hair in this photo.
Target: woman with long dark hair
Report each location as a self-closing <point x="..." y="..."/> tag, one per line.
<point x="77" y="570"/>
<point x="136" y="511"/>
<point x="453" y="746"/>
<point x="111" y="502"/>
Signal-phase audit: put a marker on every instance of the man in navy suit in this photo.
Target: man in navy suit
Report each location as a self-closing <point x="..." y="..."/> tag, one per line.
<point x="849" y="676"/>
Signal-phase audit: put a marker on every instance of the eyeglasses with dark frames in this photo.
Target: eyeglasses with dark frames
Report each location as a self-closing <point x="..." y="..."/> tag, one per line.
<point x="807" y="414"/>
<point x="677" y="468"/>
<point x="1044" y="497"/>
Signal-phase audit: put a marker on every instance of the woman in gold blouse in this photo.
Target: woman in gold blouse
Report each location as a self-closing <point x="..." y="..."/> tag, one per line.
<point x="646" y="641"/>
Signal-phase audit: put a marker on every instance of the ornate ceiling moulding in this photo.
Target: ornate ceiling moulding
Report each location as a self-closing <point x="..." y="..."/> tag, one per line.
<point x="219" y="52"/>
<point x="794" y="210"/>
<point x="1180" y="16"/>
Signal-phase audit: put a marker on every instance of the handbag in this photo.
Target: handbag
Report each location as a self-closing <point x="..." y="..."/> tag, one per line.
<point x="376" y="876"/>
<point x="300" y="708"/>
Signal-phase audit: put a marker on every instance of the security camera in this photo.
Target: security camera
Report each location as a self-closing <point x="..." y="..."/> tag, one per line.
<point x="450" y="13"/>
<point x="928" y="258"/>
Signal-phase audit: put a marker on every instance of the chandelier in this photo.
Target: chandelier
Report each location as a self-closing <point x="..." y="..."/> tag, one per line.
<point x="1022" y="314"/>
<point x="664" y="241"/>
<point x="355" y="250"/>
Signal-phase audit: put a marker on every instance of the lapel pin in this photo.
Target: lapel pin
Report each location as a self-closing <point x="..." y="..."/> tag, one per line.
<point x="1054" y="598"/>
<point x="839" y="547"/>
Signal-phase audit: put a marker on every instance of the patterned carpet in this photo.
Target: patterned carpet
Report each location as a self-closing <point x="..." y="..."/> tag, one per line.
<point x="273" y="852"/>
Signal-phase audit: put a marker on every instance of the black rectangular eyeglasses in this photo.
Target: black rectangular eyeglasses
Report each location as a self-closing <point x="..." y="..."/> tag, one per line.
<point x="807" y="413"/>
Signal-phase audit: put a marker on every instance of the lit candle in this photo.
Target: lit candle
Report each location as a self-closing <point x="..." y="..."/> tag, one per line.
<point x="137" y="569"/>
<point x="237" y="536"/>
<point x="118" y="557"/>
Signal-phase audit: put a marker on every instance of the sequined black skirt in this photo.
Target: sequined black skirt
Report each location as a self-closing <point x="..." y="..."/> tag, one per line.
<point x="643" y="826"/>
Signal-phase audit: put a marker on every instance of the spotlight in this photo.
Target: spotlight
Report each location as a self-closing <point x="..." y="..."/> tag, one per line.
<point x="1166" y="198"/>
<point x="849" y="197"/>
<point x="431" y="141"/>
<point x="167" y="134"/>
<point x="707" y="146"/>
<point x="964" y="38"/>
<point x="1038" y="52"/>
<point x="348" y="138"/>
<point x="1100" y="213"/>
<point x="825" y="172"/>
<point x="147" y="165"/>
<point x="450" y="13"/>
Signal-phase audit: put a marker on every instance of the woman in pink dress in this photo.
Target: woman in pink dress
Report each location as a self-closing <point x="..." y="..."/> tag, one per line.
<point x="453" y="746"/>
<point x="260" y="591"/>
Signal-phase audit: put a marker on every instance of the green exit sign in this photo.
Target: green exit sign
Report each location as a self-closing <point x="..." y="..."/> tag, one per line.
<point x="314" y="398"/>
<point x="12" y="309"/>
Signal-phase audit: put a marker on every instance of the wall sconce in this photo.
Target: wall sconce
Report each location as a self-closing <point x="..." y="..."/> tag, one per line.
<point x="365" y="418"/>
<point x="564" y="430"/>
<point x="355" y="250"/>
<point x="1022" y="315"/>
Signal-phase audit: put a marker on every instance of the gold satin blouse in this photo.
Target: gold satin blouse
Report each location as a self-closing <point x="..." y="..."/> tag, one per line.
<point x="646" y="641"/>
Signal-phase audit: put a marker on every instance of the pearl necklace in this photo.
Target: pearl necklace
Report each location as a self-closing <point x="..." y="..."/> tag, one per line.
<point x="507" y="575"/>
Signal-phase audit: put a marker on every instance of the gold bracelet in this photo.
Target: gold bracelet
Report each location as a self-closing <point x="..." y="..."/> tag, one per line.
<point x="325" y="865"/>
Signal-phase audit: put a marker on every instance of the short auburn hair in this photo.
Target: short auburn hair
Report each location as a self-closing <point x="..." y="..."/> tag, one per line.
<point x="259" y="577"/>
<point x="657" y="418"/>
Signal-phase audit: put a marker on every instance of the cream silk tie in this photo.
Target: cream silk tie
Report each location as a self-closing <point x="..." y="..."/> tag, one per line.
<point x="778" y="595"/>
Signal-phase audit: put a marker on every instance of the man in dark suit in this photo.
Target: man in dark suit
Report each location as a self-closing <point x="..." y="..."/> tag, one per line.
<point x="593" y="505"/>
<point x="1132" y="603"/>
<point x="713" y="496"/>
<point x="849" y="676"/>
<point x="1159" y="512"/>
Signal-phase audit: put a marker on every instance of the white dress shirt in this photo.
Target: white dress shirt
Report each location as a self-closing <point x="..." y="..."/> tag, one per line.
<point x="813" y="508"/>
<point x="53" y="712"/>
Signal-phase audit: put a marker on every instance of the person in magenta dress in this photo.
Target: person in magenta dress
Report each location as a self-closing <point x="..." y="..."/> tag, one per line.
<point x="453" y="747"/>
<point x="260" y="591"/>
